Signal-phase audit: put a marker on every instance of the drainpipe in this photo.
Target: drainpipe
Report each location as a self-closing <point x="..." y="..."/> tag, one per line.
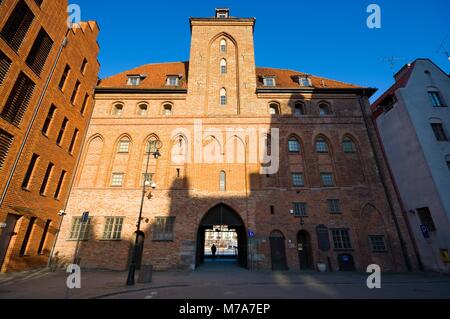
<point x="385" y="188"/>
<point x="30" y="126"/>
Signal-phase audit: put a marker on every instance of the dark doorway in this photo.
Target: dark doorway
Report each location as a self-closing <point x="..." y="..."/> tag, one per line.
<point x="231" y="236"/>
<point x="304" y="250"/>
<point x="346" y="262"/>
<point x="139" y="250"/>
<point x="278" y="251"/>
<point x="7" y="235"/>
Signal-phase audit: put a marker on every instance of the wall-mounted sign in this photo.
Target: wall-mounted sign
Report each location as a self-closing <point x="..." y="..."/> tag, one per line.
<point x="3" y="225"/>
<point x="425" y="232"/>
<point x="323" y="237"/>
<point x="251" y="233"/>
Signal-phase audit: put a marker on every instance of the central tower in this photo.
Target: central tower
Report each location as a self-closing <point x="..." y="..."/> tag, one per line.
<point x="222" y="76"/>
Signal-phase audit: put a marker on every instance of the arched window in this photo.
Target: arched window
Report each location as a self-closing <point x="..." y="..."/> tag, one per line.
<point x="223" y="46"/>
<point x="223" y="181"/>
<point x="324" y="109"/>
<point x="321" y="145"/>
<point x="223" y="66"/>
<point x="143" y="109"/>
<point x="124" y="146"/>
<point x="348" y="145"/>
<point x="167" y="109"/>
<point x="223" y="96"/>
<point x="274" y="109"/>
<point x="117" y="109"/>
<point x="294" y="145"/>
<point x="299" y="109"/>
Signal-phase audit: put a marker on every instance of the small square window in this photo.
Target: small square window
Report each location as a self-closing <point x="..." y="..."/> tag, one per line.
<point x="113" y="228"/>
<point x="270" y="81"/>
<point x="327" y="179"/>
<point x="118" y="110"/>
<point x="117" y="179"/>
<point x="300" y="209"/>
<point x="124" y="147"/>
<point x="377" y="243"/>
<point x="335" y="206"/>
<point x="305" y="81"/>
<point x="298" y="180"/>
<point x="173" y="81"/>
<point x="134" y="80"/>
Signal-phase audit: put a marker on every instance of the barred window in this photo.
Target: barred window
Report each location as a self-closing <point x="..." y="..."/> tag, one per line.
<point x="298" y="180"/>
<point x="17" y="26"/>
<point x="300" y="209"/>
<point x="6" y="141"/>
<point x="321" y="146"/>
<point x="163" y="228"/>
<point x="341" y="238"/>
<point x="327" y="179"/>
<point x="124" y="146"/>
<point x="377" y="243"/>
<point x="80" y="230"/>
<point x="113" y="228"/>
<point x="293" y="145"/>
<point x="39" y="52"/>
<point x="335" y="206"/>
<point x="117" y="179"/>
<point x="5" y="63"/>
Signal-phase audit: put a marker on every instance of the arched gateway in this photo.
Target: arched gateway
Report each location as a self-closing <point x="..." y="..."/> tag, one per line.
<point x="224" y="221"/>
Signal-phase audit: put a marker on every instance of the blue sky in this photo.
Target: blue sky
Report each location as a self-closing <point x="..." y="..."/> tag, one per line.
<point x="322" y="37"/>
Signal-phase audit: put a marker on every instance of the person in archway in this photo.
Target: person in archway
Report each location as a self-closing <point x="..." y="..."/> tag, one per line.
<point x="214" y="251"/>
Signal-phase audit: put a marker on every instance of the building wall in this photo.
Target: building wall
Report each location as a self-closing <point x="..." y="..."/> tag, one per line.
<point x="191" y="193"/>
<point x="418" y="160"/>
<point x="25" y="204"/>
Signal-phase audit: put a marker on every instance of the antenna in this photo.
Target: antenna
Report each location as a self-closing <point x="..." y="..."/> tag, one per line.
<point x="391" y="60"/>
<point x="443" y="49"/>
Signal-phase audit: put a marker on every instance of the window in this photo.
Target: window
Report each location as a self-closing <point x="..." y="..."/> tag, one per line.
<point x="173" y="80"/>
<point x="5" y="63"/>
<point x="6" y="141"/>
<point x="26" y="239"/>
<point x="269" y="81"/>
<point x="426" y="219"/>
<point x="321" y="145"/>
<point x="113" y="228"/>
<point x="30" y="170"/>
<point x="84" y="66"/>
<point x="80" y="230"/>
<point x="293" y="145"/>
<point x="223" y="66"/>
<point x="18" y="100"/>
<point x="163" y="228"/>
<point x="60" y="184"/>
<point x="44" y="237"/>
<point x="74" y="141"/>
<point x="223" y="46"/>
<point x="223" y="181"/>
<point x="75" y="92"/>
<point x="48" y="119"/>
<point x="324" y="109"/>
<point x="304" y="81"/>
<point x="17" y="26"/>
<point x="327" y="179"/>
<point x="300" y="209"/>
<point x="64" y="77"/>
<point x="341" y="239"/>
<point x="47" y="176"/>
<point x="39" y="52"/>
<point x="436" y="99"/>
<point x="377" y="243"/>
<point x="62" y="131"/>
<point x="167" y="110"/>
<point x="223" y="96"/>
<point x="85" y="104"/>
<point x="298" y="180"/>
<point x="334" y="206"/>
<point x="222" y="13"/>
<point x="274" y="109"/>
<point x="299" y="109"/>
<point x="117" y="179"/>
<point x="134" y="80"/>
<point x="124" y="146"/>
<point x="147" y="179"/>
<point x="118" y="109"/>
<point x="439" y="132"/>
<point x="348" y="146"/>
<point x="143" y="109"/>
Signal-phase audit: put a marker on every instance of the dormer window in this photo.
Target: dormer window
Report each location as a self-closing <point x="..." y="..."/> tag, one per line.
<point x="134" y="80"/>
<point x="269" y="81"/>
<point x="173" y="80"/>
<point x="304" y="81"/>
<point x="222" y="13"/>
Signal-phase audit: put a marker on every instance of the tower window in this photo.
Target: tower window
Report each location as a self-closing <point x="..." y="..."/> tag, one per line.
<point x="223" y="46"/>
<point x="223" y="97"/>
<point x="223" y="66"/>
<point x="222" y="13"/>
<point x="223" y="181"/>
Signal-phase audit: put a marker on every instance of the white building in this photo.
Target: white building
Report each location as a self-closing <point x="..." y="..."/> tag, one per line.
<point x="413" y="120"/>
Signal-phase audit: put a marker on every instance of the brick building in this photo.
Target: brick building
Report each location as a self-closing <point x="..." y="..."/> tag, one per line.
<point x="48" y="73"/>
<point x="324" y="200"/>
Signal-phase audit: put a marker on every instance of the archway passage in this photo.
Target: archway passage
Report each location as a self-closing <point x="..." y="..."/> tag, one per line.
<point x="223" y="227"/>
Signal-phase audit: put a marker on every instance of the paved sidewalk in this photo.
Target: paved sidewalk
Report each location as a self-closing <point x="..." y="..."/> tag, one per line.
<point x="219" y="283"/>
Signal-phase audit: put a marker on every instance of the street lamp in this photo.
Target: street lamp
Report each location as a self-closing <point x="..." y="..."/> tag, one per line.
<point x="153" y="149"/>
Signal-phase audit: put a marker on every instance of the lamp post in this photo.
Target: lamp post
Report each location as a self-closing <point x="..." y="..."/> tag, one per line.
<point x="154" y="147"/>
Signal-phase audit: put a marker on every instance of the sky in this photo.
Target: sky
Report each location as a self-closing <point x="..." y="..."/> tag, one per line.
<point x="326" y="38"/>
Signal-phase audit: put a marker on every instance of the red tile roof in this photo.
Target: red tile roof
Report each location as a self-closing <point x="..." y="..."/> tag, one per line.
<point x="156" y="77"/>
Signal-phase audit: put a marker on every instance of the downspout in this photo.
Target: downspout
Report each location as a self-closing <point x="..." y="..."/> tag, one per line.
<point x="30" y="126"/>
<point x="383" y="182"/>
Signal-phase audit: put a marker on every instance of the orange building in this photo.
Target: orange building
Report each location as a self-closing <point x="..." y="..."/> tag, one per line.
<point x="319" y="197"/>
<point x="48" y="72"/>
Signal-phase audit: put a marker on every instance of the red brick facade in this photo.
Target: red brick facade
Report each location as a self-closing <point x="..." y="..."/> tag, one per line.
<point x="29" y="213"/>
<point x="109" y="179"/>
